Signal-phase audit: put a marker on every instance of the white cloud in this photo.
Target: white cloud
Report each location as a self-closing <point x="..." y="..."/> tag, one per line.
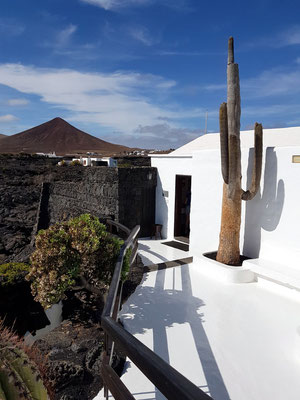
<point x="273" y="82"/>
<point x="11" y="27"/>
<point x="142" y="35"/>
<point x="188" y="53"/>
<point x="159" y="136"/>
<point x="271" y="110"/>
<point x="7" y="118"/>
<point x="170" y="133"/>
<point x="84" y="52"/>
<point x="116" y="4"/>
<point x="63" y="37"/>
<point x="289" y="37"/>
<point x="214" y="87"/>
<point x="17" y="102"/>
<point x="120" y="101"/>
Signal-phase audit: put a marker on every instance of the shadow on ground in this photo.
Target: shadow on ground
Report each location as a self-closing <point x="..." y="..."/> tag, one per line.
<point x="156" y="309"/>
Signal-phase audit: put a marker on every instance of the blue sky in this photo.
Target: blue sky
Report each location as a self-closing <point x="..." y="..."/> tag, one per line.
<point x="144" y="72"/>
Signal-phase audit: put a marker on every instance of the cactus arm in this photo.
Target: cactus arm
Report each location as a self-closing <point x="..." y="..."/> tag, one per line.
<point x="30" y="376"/>
<point x="224" y="141"/>
<point x="257" y="165"/>
<point x="19" y="376"/>
<point x="233" y="116"/>
<point x="11" y="385"/>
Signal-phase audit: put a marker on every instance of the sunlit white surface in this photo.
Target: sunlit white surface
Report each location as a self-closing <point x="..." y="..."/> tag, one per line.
<point x="155" y="252"/>
<point x="235" y="341"/>
<point x="277" y="137"/>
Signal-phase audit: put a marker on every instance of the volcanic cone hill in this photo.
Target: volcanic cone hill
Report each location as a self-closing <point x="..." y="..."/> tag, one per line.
<point x="2" y="136"/>
<point x="59" y="136"/>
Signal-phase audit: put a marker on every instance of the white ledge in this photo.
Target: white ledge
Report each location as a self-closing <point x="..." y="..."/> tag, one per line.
<point x="274" y="272"/>
<point x="225" y="272"/>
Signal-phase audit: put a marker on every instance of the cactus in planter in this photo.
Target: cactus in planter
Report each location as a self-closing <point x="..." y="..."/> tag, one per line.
<point x="19" y="376"/>
<point x="233" y="194"/>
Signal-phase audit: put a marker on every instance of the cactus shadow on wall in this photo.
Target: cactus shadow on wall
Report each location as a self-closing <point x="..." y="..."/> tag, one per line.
<point x="264" y="211"/>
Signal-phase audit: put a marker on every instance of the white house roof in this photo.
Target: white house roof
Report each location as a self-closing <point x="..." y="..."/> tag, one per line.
<point x="278" y="137"/>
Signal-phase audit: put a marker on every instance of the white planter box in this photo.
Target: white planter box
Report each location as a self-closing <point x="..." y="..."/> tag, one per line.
<point x="225" y="272"/>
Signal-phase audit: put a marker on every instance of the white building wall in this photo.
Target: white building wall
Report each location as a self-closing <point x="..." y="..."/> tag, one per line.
<point x="206" y="202"/>
<point x="270" y="226"/>
<point x="270" y="222"/>
<point x="168" y="168"/>
<point x="273" y="216"/>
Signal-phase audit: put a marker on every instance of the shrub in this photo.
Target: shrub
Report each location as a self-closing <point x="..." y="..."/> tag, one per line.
<point x="125" y="165"/>
<point x="12" y="272"/>
<point x="75" y="162"/>
<point x="126" y="265"/>
<point x="69" y="253"/>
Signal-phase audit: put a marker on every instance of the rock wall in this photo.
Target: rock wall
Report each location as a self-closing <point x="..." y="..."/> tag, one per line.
<point x="81" y="190"/>
<point x="20" y="186"/>
<point x="137" y="198"/>
<point x="134" y="161"/>
<point x="34" y="192"/>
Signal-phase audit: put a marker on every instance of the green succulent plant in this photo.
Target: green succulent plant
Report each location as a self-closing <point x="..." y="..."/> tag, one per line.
<point x="12" y="272"/>
<point x="126" y="265"/>
<point x="79" y="251"/>
<point x="19" y="376"/>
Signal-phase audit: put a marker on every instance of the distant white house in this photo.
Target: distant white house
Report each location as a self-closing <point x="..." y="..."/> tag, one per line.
<point x="137" y="153"/>
<point x="97" y="161"/>
<point x="50" y="155"/>
<point x="189" y="197"/>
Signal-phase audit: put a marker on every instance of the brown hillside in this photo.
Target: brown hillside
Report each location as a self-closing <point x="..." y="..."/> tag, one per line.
<point x="59" y="136"/>
<point x="2" y="136"/>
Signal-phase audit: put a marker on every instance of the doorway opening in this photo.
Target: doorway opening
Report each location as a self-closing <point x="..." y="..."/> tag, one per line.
<point x="182" y="208"/>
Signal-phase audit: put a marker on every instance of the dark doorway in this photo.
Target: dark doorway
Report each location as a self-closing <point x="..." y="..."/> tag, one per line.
<point x="182" y="208"/>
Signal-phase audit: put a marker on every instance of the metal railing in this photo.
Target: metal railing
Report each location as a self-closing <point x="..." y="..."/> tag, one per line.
<point x="167" y="380"/>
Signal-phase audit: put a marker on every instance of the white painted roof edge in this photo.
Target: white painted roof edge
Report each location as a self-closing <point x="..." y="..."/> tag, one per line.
<point x="171" y="155"/>
<point x="275" y="137"/>
<point x="245" y="147"/>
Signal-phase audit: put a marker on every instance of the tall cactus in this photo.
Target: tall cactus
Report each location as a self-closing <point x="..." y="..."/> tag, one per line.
<point x="19" y="376"/>
<point x="233" y="194"/>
